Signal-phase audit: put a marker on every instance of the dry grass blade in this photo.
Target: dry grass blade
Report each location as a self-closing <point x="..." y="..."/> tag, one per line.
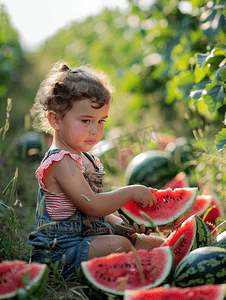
<point x="122" y="283"/>
<point x="155" y="274"/>
<point x="139" y="266"/>
<point x="45" y="226"/>
<point x="124" y="219"/>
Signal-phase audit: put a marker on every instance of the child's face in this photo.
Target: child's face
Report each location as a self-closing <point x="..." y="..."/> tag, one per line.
<point x="82" y="126"/>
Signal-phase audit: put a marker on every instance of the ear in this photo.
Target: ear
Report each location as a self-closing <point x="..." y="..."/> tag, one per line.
<point x="53" y="119"/>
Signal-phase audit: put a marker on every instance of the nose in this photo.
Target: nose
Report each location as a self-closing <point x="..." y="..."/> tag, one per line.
<point x="93" y="128"/>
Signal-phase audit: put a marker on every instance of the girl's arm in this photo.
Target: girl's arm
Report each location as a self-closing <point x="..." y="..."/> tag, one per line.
<point x="71" y="181"/>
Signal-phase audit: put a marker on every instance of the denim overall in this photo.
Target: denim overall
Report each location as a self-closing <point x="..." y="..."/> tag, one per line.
<point x="68" y="240"/>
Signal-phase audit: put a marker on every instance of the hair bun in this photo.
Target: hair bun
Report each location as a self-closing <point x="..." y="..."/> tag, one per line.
<point x="60" y="89"/>
<point x="64" y="68"/>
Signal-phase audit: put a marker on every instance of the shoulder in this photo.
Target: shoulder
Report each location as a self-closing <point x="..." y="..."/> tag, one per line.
<point x="63" y="159"/>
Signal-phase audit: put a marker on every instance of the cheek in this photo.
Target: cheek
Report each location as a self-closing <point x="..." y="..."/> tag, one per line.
<point x="78" y="132"/>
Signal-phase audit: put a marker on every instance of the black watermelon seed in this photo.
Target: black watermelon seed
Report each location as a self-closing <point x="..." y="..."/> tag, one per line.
<point x="121" y="266"/>
<point x="100" y="265"/>
<point x="170" y="197"/>
<point x="109" y="279"/>
<point x="101" y="275"/>
<point x="115" y="267"/>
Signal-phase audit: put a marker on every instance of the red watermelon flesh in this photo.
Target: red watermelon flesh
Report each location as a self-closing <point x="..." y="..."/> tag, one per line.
<point x="170" y="210"/>
<point x="203" y="292"/>
<point x="202" y="203"/>
<point x="179" y="181"/>
<point x="12" y="272"/>
<point x="188" y="229"/>
<point x="216" y="211"/>
<point x="106" y="273"/>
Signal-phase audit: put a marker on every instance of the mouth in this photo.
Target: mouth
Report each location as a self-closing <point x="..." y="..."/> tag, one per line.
<point x="91" y="142"/>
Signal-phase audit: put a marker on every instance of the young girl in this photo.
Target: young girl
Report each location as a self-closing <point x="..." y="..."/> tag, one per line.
<point x="74" y="216"/>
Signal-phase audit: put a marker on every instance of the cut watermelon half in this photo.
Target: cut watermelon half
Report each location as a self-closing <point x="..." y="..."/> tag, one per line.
<point x="115" y="273"/>
<point x="16" y="274"/>
<point x="202" y="203"/>
<point x="179" y="181"/>
<point x="169" y="212"/>
<point x="204" y="292"/>
<point x="216" y="211"/>
<point x="192" y="234"/>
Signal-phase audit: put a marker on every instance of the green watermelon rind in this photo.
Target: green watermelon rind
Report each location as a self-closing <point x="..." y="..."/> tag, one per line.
<point x="205" y="265"/>
<point x="85" y="277"/>
<point x="203" y="235"/>
<point x="34" y="287"/>
<point x="171" y="222"/>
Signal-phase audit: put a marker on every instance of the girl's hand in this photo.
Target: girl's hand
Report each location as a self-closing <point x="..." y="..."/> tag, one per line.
<point x="143" y="195"/>
<point x="131" y="231"/>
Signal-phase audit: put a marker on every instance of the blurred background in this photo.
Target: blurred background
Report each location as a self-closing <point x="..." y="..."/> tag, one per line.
<point x="166" y="60"/>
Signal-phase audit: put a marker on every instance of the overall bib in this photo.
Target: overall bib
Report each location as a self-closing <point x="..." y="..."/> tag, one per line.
<point x="67" y="240"/>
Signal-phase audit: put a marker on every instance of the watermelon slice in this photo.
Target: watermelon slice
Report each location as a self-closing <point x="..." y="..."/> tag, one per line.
<point x="217" y="211"/>
<point x="204" y="292"/>
<point x="20" y="277"/>
<point x="201" y="205"/>
<point x="113" y="274"/>
<point x="192" y="234"/>
<point x="170" y="211"/>
<point x="179" y="181"/>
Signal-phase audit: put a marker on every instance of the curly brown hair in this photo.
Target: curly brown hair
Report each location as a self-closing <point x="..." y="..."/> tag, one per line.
<point x="63" y="86"/>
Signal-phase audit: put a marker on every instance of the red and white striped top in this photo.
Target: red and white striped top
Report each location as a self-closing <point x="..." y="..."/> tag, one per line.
<point x="59" y="206"/>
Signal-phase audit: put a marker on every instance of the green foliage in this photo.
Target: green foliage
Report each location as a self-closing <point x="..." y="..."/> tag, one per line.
<point x="11" y="55"/>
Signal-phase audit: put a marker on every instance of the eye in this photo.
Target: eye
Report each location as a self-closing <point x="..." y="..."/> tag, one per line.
<point x="102" y="121"/>
<point x="85" y="121"/>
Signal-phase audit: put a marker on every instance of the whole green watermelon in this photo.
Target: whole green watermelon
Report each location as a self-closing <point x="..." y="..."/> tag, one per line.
<point x="152" y="168"/>
<point x="182" y="152"/>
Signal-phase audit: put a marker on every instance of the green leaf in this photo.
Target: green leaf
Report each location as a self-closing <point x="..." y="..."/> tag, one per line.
<point x="40" y="209"/>
<point x="213" y="96"/>
<point x="201" y="59"/>
<point x="220" y="139"/>
<point x="196" y="3"/>
<point x="216" y="56"/>
<point x="153" y="226"/>
<point x="8" y="186"/>
<point x="3" y="206"/>
<point x="220" y="75"/>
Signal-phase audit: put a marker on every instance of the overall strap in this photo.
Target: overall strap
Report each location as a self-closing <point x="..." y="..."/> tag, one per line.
<point x="91" y="158"/>
<point x="50" y="152"/>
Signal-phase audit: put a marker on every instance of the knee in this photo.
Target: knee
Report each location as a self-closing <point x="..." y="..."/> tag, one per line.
<point x="121" y="244"/>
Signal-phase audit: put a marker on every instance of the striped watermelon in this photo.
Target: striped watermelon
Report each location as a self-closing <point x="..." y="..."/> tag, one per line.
<point x="152" y="168"/>
<point x="202" y="266"/>
<point x="220" y="240"/>
<point x="192" y="234"/>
